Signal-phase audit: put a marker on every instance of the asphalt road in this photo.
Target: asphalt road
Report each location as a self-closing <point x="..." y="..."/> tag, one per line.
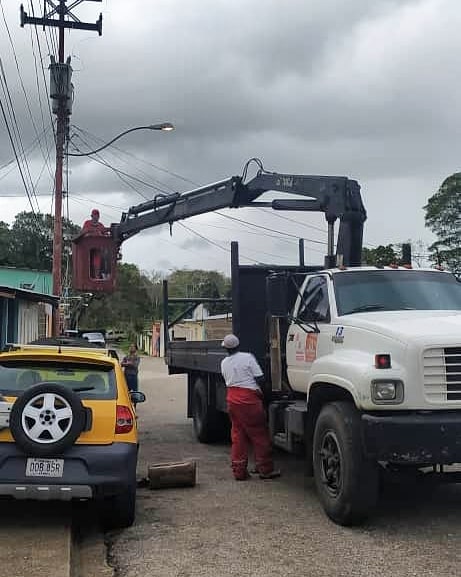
<point x="267" y="528"/>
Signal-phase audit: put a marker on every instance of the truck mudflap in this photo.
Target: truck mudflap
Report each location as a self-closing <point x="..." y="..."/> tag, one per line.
<point x="416" y="438"/>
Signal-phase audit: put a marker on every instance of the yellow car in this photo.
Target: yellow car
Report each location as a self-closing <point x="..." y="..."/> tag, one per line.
<point x="68" y="429"/>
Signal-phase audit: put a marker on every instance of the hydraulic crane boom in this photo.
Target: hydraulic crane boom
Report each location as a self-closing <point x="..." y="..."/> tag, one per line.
<point x="336" y="196"/>
<point x="94" y="257"/>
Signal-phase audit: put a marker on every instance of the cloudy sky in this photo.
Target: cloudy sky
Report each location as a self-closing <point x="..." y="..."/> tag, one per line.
<point x="368" y="89"/>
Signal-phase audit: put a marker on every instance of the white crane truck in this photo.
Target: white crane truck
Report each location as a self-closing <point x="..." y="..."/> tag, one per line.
<point x="362" y="364"/>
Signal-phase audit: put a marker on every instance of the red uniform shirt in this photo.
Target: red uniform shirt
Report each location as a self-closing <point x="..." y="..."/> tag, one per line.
<point x="93" y="227"/>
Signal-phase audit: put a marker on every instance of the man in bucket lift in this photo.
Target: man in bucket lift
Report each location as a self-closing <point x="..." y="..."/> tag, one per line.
<point x="93" y="227"/>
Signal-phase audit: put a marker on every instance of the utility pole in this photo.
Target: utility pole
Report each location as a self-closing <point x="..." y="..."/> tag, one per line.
<point x="61" y="94"/>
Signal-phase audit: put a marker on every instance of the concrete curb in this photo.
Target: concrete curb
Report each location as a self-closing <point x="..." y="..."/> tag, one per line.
<point x="88" y="557"/>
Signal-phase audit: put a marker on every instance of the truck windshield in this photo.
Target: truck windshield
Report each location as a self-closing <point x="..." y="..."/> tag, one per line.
<point x="395" y="290"/>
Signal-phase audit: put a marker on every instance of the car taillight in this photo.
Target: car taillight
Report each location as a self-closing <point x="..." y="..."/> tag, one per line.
<point x="123" y="420"/>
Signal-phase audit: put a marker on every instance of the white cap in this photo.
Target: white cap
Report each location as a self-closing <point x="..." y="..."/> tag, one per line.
<point x="230" y="342"/>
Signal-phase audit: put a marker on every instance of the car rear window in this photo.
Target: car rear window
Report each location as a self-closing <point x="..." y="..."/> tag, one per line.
<point x="89" y="381"/>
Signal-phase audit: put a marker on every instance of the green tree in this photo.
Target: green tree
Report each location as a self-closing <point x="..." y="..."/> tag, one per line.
<point x="443" y="218"/>
<point x="380" y="256"/>
<point x="200" y="283"/>
<point x="31" y="240"/>
<point x="5" y="244"/>
<point x="128" y="308"/>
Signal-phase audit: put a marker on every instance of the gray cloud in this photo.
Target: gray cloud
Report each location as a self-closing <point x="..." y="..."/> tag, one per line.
<point x="363" y="88"/>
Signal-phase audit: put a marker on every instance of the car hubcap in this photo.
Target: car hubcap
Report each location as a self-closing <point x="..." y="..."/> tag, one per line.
<point x="47" y="418"/>
<point x="330" y="464"/>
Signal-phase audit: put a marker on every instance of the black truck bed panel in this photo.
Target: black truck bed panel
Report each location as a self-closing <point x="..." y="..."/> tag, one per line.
<point x="204" y="356"/>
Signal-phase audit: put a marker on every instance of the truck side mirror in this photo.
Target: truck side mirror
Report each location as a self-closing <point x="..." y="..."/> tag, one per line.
<point x="277" y="294"/>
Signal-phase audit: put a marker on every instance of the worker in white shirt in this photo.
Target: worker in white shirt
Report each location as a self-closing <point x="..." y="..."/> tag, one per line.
<point x="242" y="376"/>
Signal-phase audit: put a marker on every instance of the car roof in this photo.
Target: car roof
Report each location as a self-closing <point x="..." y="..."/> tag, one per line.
<point x="54" y="353"/>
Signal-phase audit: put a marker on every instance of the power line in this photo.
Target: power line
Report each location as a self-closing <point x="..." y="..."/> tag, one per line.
<point x="120" y="173"/>
<point x="291" y="243"/>
<point x="225" y="249"/>
<point x="16" y="155"/>
<point x="157" y="167"/>
<point x="22" y="83"/>
<point x="149" y="185"/>
<point x="98" y="159"/>
<point x="276" y="214"/>
<point x="268" y="229"/>
<point x="15" y="134"/>
<point x="43" y="72"/>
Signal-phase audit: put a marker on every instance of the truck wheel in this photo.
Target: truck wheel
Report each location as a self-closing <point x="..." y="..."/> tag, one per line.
<point x="347" y="483"/>
<point x="204" y="415"/>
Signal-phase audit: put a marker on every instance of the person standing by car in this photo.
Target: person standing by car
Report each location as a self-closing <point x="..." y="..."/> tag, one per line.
<point x="242" y="376"/>
<point x="130" y="364"/>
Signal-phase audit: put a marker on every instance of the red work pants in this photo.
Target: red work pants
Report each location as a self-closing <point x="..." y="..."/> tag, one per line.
<point x="249" y="428"/>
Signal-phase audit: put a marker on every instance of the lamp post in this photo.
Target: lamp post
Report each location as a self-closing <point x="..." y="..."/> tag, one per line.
<point x="164" y="126"/>
<point x="57" y="242"/>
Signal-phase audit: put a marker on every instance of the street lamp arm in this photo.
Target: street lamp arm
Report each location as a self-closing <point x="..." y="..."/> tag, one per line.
<point x="165" y="126"/>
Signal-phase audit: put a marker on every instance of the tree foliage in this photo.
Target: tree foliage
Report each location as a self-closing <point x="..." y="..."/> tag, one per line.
<point x="28" y="243"/>
<point x="380" y="256"/>
<point x="200" y="283"/>
<point x="129" y="308"/>
<point x="443" y="218"/>
<point x="137" y="301"/>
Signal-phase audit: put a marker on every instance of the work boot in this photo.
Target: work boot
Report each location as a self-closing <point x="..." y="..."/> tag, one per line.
<point x="271" y="475"/>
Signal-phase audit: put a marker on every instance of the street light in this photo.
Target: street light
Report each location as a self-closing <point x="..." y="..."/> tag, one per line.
<point x="164" y="126"/>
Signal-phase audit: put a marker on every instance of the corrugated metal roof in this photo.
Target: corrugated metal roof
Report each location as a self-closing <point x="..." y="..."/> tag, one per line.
<point x="26" y="279"/>
<point x="11" y="292"/>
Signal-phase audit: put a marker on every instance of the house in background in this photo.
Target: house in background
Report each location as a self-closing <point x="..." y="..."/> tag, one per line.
<point x="26" y="305"/>
<point x="201" y="327"/>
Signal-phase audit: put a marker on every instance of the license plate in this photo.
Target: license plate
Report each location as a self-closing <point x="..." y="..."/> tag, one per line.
<point x="44" y="467"/>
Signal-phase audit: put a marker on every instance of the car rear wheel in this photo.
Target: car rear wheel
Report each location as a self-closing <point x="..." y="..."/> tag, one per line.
<point x="47" y="419"/>
<point x="119" y="511"/>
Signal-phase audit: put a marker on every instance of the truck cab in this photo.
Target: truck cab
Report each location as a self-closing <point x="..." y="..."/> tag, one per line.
<point x="373" y="363"/>
<point x="383" y="335"/>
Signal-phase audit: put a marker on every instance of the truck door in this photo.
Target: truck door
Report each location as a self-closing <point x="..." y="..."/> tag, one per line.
<point x="309" y="335"/>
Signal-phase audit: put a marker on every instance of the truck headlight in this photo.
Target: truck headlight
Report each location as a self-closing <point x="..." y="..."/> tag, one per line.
<point x="387" y="392"/>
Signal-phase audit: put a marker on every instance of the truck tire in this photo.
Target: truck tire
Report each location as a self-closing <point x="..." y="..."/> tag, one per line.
<point x="204" y="415"/>
<point x="347" y="483"/>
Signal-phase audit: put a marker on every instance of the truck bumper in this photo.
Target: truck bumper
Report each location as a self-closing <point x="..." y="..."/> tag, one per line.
<point x="427" y="438"/>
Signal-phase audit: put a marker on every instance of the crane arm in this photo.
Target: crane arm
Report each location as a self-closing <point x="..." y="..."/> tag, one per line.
<point x="336" y="196"/>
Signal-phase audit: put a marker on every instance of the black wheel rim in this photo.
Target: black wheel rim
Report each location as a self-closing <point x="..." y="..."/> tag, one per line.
<point x="331" y="464"/>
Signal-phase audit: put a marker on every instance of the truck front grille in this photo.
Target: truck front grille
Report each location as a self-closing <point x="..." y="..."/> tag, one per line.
<point x="442" y="374"/>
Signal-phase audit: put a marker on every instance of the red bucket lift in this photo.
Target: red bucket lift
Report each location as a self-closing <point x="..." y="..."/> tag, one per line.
<point x="94" y="262"/>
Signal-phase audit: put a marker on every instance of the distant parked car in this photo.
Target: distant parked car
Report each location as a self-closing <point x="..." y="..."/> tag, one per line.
<point x="115" y="335"/>
<point x="95" y="339"/>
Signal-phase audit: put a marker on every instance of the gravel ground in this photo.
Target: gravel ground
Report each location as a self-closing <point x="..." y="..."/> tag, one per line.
<point x="223" y="528"/>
